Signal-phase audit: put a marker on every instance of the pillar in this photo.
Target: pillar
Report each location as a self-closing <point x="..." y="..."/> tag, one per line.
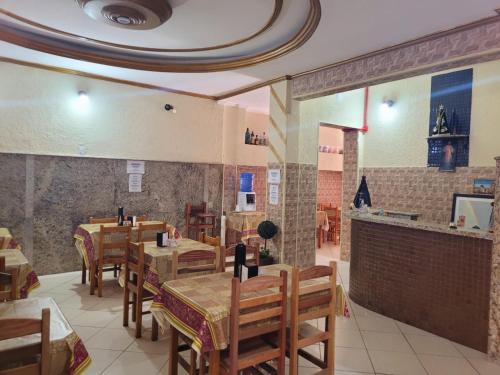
<point x="494" y="331"/>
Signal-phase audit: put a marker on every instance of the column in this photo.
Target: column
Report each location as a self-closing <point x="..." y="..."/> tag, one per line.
<point x="494" y="336"/>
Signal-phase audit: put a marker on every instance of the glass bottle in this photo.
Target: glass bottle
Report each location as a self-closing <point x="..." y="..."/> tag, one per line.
<point x="252" y="138"/>
<point x="247" y="137"/>
<point x="256" y="141"/>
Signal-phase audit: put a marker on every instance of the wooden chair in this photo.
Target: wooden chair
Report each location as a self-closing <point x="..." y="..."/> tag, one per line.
<point x="334" y="222"/>
<point x="106" y="255"/>
<point x="134" y="282"/>
<point x="322" y="298"/>
<point x="254" y="316"/>
<point x="7" y="279"/>
<point x="215" y="242"/>
<point x="13" y="328"/>
<point x="228" y="255"/>
<point x="144" y="231"/>
<point x="140" y="218"/>
<point x="199" y="219"/>
<point x="188" y="264"/>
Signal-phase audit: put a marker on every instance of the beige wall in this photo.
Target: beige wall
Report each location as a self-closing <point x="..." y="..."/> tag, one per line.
<point x="398" y="137"/>
<point x="236" y="120"/>
<point x="335" y="138"/>
<point x="39" y="116"/>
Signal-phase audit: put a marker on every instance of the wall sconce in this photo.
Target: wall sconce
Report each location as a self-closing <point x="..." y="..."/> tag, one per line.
<point x="388" y="103"/>
<point x="81" y="102"/>
<point x="83" y="97"/>
<point x="387" y="110"/>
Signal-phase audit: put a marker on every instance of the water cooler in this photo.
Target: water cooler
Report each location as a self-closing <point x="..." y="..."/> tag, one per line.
<point x="246" y="195"/>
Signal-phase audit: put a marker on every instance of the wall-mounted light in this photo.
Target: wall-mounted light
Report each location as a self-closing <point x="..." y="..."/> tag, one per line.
<point x="387" y="110"/>
<point x="388" y="103"/>
<point x="81" y="102"/>
<point x="83" y="97"/>
<point x="170" y="108"/>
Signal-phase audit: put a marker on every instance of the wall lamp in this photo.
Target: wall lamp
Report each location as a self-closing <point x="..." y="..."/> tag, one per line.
<point x="388" y="103"/>
<point x="170" y="108"/>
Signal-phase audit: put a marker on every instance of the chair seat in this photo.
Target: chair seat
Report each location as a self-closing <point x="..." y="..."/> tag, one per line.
<point x="247" y="350"/>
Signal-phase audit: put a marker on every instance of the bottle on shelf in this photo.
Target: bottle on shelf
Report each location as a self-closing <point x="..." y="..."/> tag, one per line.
<point x="247" y="137"/>
<point x="256" y="141"/>
<point x="264" y="139"/>
<point x="252" y="138"/>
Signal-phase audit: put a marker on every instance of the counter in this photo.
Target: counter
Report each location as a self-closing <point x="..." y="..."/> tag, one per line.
<point x="423" y="274"/>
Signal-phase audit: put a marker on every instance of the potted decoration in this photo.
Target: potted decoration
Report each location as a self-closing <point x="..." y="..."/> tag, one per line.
<point x="267" y="230"/>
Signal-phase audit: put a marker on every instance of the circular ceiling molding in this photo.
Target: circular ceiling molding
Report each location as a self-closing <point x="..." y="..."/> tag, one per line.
<point x="75" y="48"/>
<point x="278" y="5"/>
<point x="130" y="14"/>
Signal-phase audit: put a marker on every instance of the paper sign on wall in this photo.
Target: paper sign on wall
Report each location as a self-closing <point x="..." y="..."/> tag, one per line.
<point x="274" y="194"/>
<point x="135" y="166"/>
<point x="135" y="183"/>
<point x="273" y="176"/>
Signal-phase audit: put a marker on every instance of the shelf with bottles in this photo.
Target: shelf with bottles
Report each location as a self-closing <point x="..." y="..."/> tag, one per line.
<point x="254" y="139"/>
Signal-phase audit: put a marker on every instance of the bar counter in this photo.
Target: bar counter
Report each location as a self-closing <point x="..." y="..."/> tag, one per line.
<point x="423" y="274"/>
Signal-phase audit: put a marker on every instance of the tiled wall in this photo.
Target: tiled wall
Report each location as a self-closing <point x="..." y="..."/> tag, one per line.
<point x="232" y="185"/>
<point x="423" y="190"/>
<point x="494" y="339"/>
<point x="330" y="187"/>
<point x="44" y="198"/>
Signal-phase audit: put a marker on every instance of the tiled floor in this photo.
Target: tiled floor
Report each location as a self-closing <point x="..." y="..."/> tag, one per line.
<point x="366" y="343"/>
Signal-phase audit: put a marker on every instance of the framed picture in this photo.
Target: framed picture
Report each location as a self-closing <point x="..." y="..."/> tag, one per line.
<point x="472" y="211"/>
<point x="483" y="186"/>
<point x="448" y="158"/>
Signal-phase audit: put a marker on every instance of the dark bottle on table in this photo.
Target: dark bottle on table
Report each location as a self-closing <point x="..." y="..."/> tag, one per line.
<point x="121" y="216"/>
<point x="247" y="137"/>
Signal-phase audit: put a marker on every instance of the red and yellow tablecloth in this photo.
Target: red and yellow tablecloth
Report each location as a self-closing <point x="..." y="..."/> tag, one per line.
<point x="199" y="307"/>
<point x="67" y="352"/>
<point x="6" y="240"/>
<point x="245" y="223"/>
<point x="27" y="279"/>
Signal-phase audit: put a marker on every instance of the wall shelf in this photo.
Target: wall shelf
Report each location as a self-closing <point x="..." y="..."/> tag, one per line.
<point x="448" y="136"/>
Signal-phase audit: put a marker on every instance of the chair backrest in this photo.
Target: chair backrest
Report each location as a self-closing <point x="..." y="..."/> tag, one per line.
<point x="2" y="240"/>
<point x="194" y="262"/>
<point x="7" y="278"/>
<point x="144" y="231"/>
<point x="103" y="220"/>
<point x="327" y="206"/>
<point x="314" y="300"/>
<point x="113" y="238"/>
<point x="13" y="328"/>
<point x="212" y="241"/>
<point x="332" y="213"/>
<point x="139" y="218"/>
<point x="134" y="262"/>
<point x="228" y="255"/>
<point x="254" y="313"/>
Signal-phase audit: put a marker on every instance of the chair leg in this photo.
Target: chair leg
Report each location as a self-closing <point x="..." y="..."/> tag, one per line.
<point x="138" y="315"/>
<point x="174" y="354"/>
<point x="134" y="299"/>
<point x="192" y="360"/>
<point x="92" y="279"/>
<point x="84" y="272"/>
<point x="154" y="330"/>
<point x="115" y="270"/>
<point x="126" y="300"/>
<point x="99" y="280"/>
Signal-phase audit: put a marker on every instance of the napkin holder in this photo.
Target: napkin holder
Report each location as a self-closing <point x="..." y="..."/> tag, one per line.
<point x="241" y="270"/>
<point x="161" y="239"/>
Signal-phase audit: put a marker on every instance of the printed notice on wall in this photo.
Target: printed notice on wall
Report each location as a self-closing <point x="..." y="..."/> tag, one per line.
<point x="135" y="183"/>
<point x="274" y="194"/>
<point x="273" y="176"/>
<point x="135" y="166"/>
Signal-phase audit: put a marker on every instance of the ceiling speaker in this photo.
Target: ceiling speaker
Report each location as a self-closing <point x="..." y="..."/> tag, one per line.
<point x="130" y="14"/>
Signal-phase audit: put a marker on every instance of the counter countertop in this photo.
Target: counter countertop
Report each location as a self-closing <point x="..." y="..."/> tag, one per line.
<point x="421" y="225"/>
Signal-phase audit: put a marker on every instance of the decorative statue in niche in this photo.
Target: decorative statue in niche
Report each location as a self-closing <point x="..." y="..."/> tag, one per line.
<point x="441" y="122"/>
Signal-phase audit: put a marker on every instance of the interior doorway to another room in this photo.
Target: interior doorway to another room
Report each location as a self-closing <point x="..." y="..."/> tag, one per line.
<point x="329" y="191"/>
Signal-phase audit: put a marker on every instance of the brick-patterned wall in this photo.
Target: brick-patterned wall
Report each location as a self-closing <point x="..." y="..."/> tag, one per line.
<point x="434" y="281"/>
<point x="232" y="185"/>
<point x="494" y="339"/>
<point x="349" y="187"/>
<point x="330" y="187"/>
<point x="419" y="189"/>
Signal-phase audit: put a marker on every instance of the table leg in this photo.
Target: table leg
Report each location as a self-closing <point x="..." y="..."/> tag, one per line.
<point x="174" y="354"/>
<point x="214" y="362"/>
<point x="84" y="272"/>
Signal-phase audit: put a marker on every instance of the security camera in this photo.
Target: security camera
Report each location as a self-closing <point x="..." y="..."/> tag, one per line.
<point x="170" y="107"/>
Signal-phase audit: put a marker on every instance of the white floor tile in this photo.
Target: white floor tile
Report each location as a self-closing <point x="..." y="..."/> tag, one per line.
<point x="101" y="359"/>
<point x="348" y="359"/>
<point x="439" y="365"/>
<point x="377" y="324"/>
<point x="136" y="363"/>
<point x="85" y="333"/>
<point x="469" y="352"/>
<point x="485" y="366"/>
<point x="145" y="345"/>
<point x="432" y="345"/>
<point x="394" y="342"/>
<point x="396" y="363"/>
<point x="97" y="319"/>
<point x="349" y="338"/>
<point x="113" y="339"/>
<point x="408" y="329"/>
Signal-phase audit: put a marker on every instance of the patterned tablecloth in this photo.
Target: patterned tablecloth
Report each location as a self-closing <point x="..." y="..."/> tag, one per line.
<point x="199" y="307"/>
<point x="158" y="261"/>
<point x="246" y="223"/>
<point x="322" y="220"/>
<point x="6" y="240"/>
<point x="67" y="352"/>
<point x="27" y="279"/>
<point x="87" y="239"/>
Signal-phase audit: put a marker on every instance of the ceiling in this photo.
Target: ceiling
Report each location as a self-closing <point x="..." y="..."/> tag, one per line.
<point x="347" y="28"/>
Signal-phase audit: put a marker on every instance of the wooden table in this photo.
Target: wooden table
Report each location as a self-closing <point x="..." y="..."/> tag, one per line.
<point x="67" y="352"/>
<point x="87" y="241"/>
<point x="243" y="226"/>
<point x="199" y="307"/>
<point x="6" y="239"/>
<point x="158" y="261"/>
<point x="27" y="279"/>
